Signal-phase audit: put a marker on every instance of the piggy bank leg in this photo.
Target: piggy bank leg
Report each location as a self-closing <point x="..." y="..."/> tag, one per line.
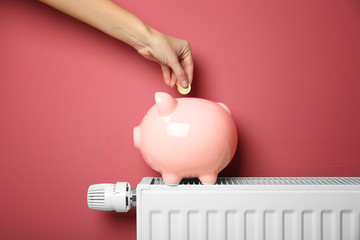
<point x="208" y="179"/>
<point x="171" y="179"/>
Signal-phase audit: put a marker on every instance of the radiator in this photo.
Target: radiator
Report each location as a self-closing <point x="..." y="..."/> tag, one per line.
<point x="303" y="208"/>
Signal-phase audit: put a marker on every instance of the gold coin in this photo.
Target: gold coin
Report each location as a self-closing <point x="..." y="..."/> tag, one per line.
<point x="184" y="91"/>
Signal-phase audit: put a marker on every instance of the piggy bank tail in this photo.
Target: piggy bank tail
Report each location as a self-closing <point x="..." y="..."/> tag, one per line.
<point x="225" y="107"/>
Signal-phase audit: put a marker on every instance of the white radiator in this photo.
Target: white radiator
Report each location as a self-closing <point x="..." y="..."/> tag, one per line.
<point x="305" y="208"/>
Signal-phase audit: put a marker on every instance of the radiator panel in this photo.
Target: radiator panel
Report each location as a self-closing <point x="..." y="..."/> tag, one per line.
<point x="266" y="209"/>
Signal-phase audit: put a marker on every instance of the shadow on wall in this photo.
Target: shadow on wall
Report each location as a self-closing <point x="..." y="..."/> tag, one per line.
<point x="117" y="221"/>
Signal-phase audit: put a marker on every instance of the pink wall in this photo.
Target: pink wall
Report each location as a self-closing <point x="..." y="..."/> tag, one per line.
<point x="70" y="97"/>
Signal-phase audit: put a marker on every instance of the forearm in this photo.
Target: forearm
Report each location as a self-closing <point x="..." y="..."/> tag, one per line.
<point x="107" y="17"/>
<point x="173" y="54"/>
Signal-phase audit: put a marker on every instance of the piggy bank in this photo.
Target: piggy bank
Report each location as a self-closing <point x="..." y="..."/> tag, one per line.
<point x="186" y="137"/>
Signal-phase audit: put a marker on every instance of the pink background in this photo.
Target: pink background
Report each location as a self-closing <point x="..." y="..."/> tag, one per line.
<point x="70" y="97"/>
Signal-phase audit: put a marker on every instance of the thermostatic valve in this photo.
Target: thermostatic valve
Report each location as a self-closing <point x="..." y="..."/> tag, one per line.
<point x="109" y="197"/>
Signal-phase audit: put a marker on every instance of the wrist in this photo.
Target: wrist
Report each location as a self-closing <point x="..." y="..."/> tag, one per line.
<point x="148" y="38"/>
<point x="130" y="29"/>
<point x="142" y="37"/>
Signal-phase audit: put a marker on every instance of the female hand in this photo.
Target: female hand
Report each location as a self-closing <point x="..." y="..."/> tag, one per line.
<point x="174" y="57"/>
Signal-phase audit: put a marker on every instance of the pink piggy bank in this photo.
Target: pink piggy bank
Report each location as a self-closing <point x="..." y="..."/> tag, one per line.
<point x="186" y="137"/>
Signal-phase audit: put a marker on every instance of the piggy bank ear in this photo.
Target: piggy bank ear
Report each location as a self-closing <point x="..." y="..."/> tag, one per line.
<point x="165" y="103"/>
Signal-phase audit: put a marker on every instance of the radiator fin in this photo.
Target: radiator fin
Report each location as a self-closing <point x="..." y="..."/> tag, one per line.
<point x="193" y="225"/>
<point x="174" y="223"/>
<point x="327" y="223"/>
<point x="231" y="223"/>
<point x="289" y="225"/>
<point x="271" y="181"/>
<point x="156" y="225"/>
<point x="269" y="225"/>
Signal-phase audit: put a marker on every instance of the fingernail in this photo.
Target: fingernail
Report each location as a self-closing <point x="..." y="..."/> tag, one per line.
<point x="184" y="83"/>
<point x="172" y="83"/>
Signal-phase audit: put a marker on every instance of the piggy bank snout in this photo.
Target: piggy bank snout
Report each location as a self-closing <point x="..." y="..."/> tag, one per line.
<point x="137" y="136"/>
